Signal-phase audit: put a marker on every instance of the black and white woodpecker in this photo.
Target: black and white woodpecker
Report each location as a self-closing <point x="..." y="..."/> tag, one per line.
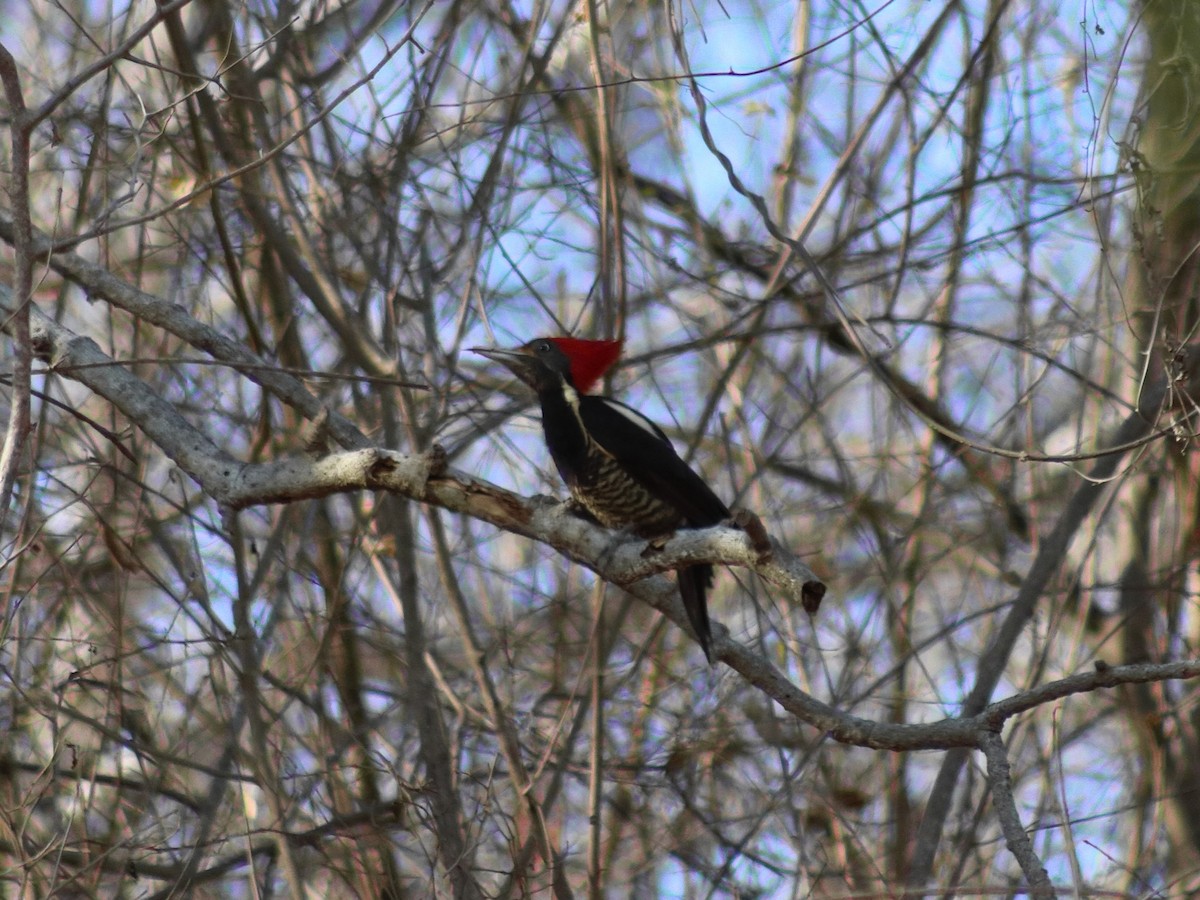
<point x="619" y="466"/>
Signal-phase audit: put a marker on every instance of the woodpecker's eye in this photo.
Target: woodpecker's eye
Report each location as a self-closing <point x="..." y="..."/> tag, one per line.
<point x="542" y="347"/>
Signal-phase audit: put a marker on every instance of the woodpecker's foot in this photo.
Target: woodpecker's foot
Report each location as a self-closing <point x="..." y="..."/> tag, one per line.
<point x="578" y="510"/>
<point x="750" y="523"/>
<point x="654" y="544"/>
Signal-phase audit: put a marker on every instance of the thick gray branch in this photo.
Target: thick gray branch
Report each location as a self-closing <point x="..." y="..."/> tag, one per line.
<point x="100" y="282"/>
<point x="190" y="448"/>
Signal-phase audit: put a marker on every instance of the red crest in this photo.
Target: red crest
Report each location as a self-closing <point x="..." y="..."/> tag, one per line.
<point x="589" y="359"/>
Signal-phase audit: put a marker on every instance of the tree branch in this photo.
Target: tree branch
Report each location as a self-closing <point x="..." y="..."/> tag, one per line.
<point x="1019" y="845"/>
<point x="172" y="318"/>
<point x="17" y="320"/>
<point x="1052" y="551"/>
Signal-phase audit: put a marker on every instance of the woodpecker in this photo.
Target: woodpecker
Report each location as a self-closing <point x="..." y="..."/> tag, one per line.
<point x="618" y="465"/>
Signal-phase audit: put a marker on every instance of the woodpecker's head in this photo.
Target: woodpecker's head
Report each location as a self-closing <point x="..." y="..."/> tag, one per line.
<point x="546" y="362"/>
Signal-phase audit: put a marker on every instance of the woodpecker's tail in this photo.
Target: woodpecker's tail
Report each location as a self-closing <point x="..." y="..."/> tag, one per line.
<point x="694" y="582"/>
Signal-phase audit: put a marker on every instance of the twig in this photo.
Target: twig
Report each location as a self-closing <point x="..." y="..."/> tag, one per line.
<point x="1019" y="845"/>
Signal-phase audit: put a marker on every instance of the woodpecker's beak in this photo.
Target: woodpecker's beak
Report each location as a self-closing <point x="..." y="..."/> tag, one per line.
<point x="520" y="362"/>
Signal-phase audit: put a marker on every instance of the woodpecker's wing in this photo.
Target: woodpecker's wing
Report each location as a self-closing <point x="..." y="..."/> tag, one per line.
<point x="649" y="457"/>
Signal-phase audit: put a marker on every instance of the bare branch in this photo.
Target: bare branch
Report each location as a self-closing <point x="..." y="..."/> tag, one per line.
<point x="1000" y="783"/>
<point x="16" y="321"/>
